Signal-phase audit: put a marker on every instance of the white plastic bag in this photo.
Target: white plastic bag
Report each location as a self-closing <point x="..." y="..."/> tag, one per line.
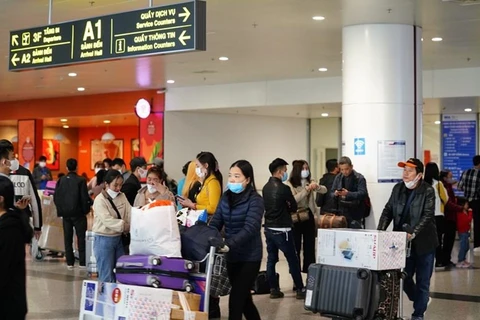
<point x="154" y="231"/>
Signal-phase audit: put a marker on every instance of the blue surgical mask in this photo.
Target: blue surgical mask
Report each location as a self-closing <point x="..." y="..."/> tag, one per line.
<point x="235" y="187"/>
<point x="305" y="174"/>
<point x="285" y="176"/>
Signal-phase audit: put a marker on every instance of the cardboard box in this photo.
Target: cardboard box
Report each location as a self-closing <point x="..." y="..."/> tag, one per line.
<point x="369" y="249"/>
<point x="192" y="315"/>
<point x="193" y="300"/>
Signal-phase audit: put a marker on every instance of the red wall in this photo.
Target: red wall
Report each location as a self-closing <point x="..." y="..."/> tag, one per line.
<point x="86" y="135"/>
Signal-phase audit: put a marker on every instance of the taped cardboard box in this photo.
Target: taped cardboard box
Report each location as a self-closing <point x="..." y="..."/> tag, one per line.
<point x="192" y="315"/>
<point x="193" y="300"/>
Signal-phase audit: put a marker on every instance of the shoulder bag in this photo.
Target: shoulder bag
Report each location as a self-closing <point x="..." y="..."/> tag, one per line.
<point x="125" y="236"/>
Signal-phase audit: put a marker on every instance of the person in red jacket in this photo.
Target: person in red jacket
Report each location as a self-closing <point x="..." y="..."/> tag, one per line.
<point x="464" y="221"/>
<point x="452" y="208"/>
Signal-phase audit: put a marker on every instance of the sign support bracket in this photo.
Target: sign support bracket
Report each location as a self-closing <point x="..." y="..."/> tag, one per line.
<point x="50" y="5"/>
<point x="150" y="3"/>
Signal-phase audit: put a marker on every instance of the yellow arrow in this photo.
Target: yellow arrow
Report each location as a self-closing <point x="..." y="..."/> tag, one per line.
<point x="15" y="59"/>
<point x="184" y="37"/>
<point x="185" y="14"/>
<point x="15" y="40"/>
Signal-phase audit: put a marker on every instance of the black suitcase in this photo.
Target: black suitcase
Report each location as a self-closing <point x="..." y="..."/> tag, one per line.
<point x="261" y="285"/>
<point x="350" y="293"/>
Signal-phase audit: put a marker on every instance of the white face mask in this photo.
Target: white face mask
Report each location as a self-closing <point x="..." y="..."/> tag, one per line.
<point x="143" y="173"/>
<point x="112" y="194"/>
<point x="14" y="165"/>
<point x="151" y="188"/>
<point x="199" y="172"/>
<point x="120" y="170"/>
<point x="413" y="183"/>
<point x="42" y="164"/>
<point x="305" y="174"/>
<point x="97" y="169"/>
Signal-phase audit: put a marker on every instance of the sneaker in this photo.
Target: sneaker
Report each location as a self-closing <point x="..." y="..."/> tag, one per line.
<point x="463" y="265"/>
<point x="439" y="266"/>
<point x="416" y="318"/>
<point x="301" y="294"/>
<point x="81" y="267"/>
<point x="276" y="294"/>
<point x="70" y="267"/>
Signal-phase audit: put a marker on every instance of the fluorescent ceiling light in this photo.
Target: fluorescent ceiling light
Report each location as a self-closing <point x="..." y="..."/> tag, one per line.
<point x="324" y="114"/>
<point x="223" y="58"/>
<point x="171" y="81"/>
<point x="438" y="122"/>
<point x="72" y="74"/>
<point x="318" y="18"/>
<point x="66" y="126"/>
<point x="437" y="39"/>
<point x="63" y="120"/>
<point x="107" y="121"/>
<point x="322" y="69"/>
<point x="468" y="110"/>
<point x="81" y="89"/>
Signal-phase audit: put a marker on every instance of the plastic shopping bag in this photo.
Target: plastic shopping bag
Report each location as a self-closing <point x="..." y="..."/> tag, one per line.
<point x="154" y="230"/>
<point x="187" y="217"/>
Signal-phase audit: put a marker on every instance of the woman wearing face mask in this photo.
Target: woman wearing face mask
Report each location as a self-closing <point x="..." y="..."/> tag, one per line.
<point x="432" y="177"/>
<point x="304" y="190"/>
<point x="452" y="208"/>
<point x="93" y="182"/>
<point x="154" y="190"/>
<point x="111" y="219"/>
<point x="241" y="211"/>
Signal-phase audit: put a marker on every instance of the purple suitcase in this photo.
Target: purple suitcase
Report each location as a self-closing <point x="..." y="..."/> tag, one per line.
<point x="154" y="271"/>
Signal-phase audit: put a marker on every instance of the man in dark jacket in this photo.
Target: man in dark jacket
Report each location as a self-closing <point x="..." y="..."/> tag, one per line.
<point x="14" y="234"/>
<point x="412" y="203"/>
<point x="279" y="206"/>
<point x="326" y="201"/>
<point x="349" y="191"/>
<point x="73" y="203"/>
<point x="132" y="184"/>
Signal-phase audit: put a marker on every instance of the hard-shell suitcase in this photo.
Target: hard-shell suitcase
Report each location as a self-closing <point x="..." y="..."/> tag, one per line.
<point x="154" y="271"/>
<point x="90" y="255"/>
<point x="352" y="293"/>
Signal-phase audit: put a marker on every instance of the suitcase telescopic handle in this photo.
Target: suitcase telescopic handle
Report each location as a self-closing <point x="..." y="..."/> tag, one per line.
<point x="408" y="229"/>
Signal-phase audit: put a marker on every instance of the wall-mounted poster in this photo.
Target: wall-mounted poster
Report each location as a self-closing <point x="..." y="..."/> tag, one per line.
<point x="51" y="150"/>
<point x="151" y="136"/>
<point x="26" y="143"/>
<point x="135" y="148"/>
<point x="100" y="150"/>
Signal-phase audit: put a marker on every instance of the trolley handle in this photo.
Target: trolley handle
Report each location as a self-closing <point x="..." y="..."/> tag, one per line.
<point x="408" y="229"/>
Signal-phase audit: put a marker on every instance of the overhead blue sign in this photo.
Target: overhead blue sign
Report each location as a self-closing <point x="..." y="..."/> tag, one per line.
<point x="359" y="146"/>
<point x="459" y="143"/>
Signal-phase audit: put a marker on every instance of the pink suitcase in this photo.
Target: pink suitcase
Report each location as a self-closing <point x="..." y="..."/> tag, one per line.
<point x="154" y="271"/>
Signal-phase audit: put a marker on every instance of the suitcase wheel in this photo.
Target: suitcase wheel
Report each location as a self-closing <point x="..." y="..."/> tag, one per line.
<point x="156" y="261"/>
<point x="188" y="288"/>
<point x="189" y="265"/>
<point x="155" y="283"/>
<point x="403" y="275"/>
<point x="363" y="275"/>
<point x="39" y="256"/>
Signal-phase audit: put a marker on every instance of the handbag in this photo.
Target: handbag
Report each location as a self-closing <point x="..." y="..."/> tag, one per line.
<point x="125" y="236"/>
<point x="330" y="220"/>
<point x="301" y="215"/>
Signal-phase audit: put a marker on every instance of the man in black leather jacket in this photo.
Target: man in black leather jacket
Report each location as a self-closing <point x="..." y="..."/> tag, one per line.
<point x="279" y="205"/>
<point x="326" y="201"/>
<point x="412" y="203"/>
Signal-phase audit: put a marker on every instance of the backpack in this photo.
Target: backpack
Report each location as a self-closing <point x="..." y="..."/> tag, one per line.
<point x="367" y="204"/>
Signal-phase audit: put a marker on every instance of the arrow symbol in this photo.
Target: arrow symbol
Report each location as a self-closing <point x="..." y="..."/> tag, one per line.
<point x="15" y="40"/>
<point x="185" y="14"/>
<point x="15" y="59"/>
<point x="183" y="37"/>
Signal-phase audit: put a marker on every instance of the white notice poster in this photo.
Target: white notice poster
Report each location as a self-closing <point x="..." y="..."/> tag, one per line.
<point x="390" y="153"/>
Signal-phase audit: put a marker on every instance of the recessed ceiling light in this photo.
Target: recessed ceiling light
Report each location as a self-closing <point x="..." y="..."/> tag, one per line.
<point x="422" y="39"/>
<point x="107" y="121"/>
<point x="223" y="58"/>
<point x="66" y="126"/>
<point x="318" y="18"/>
<point x="171" y="81"/>
<point x="324" y="114"/>
<point x="63" y="120"/>
<point x="72" y="74"/>
<point x="322" y="69"/>
<point x="437" y="39"/>
<point x="81" y="89"/>
<point x="468" y="110"/>
<point x="438" y="122"/>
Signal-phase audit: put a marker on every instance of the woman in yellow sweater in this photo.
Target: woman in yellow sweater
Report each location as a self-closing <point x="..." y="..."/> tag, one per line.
<point x="208" y="194"/>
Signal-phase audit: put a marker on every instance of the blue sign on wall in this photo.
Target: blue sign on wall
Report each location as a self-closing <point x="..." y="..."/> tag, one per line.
<point x="459" y="143"/>
<point x="359" y="146"/>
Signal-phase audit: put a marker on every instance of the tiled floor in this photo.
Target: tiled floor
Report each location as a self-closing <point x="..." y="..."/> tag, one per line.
<point x="54" y="293"/>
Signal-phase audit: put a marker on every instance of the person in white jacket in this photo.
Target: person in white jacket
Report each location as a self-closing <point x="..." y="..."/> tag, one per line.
<point x="432" y="177"/>
<point x="111" y="219"/>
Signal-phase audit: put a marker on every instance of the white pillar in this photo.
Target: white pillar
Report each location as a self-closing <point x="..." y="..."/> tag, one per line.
<point x="382" y="98"/>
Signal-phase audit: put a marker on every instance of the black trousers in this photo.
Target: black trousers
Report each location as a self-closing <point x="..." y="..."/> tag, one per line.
<point x="450" y="231"/>
<point x="242" y="276"/>
<point x="80" y="225"/>
<point x="440" y="222"/>
<point x="475" y="206"/>
<point x="306" y="231"/>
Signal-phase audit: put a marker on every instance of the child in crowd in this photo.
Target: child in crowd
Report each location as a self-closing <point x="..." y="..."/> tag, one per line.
<point x="464" y="220"/>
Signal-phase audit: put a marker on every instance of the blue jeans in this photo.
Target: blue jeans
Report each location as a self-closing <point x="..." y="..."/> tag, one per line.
<point x="420" y="266"/>
<point x="464" y="246"/>
<point x="107" y="251"/>
<point x="284" y="241"/>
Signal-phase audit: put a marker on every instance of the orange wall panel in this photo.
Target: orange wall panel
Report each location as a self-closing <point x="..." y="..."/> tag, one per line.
<point x="86" y="135"/>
